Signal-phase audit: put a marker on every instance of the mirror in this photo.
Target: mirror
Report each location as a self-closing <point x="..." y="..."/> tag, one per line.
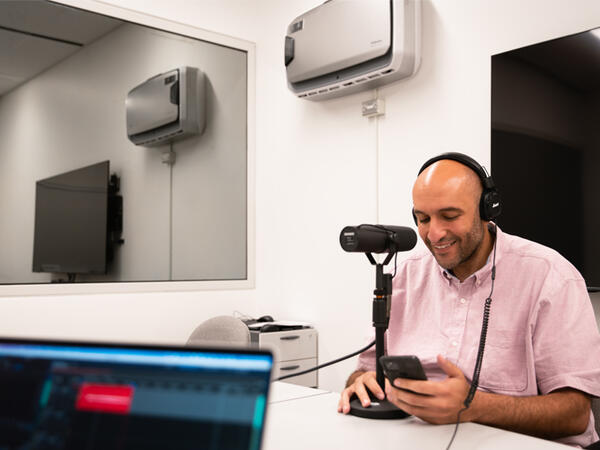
<point x="64" y="77"/>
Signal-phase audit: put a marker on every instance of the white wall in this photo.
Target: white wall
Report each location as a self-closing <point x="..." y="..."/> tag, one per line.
<point x="316" y="171"/>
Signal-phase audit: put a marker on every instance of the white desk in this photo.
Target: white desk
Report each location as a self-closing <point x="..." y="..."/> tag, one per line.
<point x="301" y="418"/>
<point x="283" y="392"/>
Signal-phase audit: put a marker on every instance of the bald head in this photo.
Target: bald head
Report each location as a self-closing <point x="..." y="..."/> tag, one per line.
<point x="446" y="177"/>
<point x="446" y="205"/>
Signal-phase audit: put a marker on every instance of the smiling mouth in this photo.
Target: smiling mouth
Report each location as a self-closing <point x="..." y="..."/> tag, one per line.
<point x="443" y="246"/>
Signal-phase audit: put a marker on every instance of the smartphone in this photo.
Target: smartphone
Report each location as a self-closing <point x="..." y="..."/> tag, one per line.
<point x="405" y="366"/>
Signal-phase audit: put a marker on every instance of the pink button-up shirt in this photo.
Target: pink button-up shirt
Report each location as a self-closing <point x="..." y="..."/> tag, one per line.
<point x="542" y="333"/>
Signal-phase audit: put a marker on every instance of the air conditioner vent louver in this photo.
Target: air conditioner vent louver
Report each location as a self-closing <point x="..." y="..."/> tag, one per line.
<point x="346" y="46"/>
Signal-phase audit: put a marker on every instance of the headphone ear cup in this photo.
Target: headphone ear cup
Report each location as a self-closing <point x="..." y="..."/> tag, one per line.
<point x="490" y="205"/>
<point x="415" y="217"/>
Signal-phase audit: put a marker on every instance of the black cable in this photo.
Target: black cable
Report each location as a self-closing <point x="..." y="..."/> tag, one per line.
<point x="455" y="428"/>
<point x="320" y="366"/>
<point x="482" y="338"/>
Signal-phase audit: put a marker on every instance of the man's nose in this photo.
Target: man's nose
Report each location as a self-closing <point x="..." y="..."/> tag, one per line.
<point x="436" y="230"/>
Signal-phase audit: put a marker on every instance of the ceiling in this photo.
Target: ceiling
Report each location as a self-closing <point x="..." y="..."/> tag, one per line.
<point x="574" y="60"/>
<point x="37" y="34"/>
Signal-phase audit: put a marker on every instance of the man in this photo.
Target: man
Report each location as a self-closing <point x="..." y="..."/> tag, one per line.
<point x="541" y="362"/>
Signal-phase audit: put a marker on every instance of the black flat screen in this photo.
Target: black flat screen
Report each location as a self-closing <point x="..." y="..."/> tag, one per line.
<point x="545" y="146"/>
<point x="71" y="221"/>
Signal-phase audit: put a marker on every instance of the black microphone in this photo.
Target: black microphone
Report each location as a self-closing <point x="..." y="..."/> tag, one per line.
<point x="377" y="238"/>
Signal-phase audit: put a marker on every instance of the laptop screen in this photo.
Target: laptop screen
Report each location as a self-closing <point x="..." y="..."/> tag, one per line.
<point x="85" y="396"/>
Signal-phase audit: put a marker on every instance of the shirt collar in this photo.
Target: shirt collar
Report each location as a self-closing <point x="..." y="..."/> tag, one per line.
<point x="482" y="274"/>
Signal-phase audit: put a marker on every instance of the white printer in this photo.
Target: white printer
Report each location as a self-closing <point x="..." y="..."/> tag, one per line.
<point x="294" y="346"/>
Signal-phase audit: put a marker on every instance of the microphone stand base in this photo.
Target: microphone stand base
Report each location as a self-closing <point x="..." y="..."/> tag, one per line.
<point x="379" y="409"/>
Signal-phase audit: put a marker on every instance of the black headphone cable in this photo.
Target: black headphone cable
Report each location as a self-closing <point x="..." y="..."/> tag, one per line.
<point x="482" y="338"/>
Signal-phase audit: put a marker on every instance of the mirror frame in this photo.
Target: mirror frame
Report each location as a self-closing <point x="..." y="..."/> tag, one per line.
<point x="120" y="287"/>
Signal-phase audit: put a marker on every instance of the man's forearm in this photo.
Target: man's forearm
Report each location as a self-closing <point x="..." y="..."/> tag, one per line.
<point x="552" y="416"/>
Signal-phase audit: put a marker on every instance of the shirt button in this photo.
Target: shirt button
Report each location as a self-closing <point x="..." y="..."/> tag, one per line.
<point x="463" y="301"/>
<point x="454" y="343"/>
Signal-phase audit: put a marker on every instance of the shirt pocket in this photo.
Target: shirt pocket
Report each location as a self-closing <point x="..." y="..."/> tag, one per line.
<point x="504" y="367"/>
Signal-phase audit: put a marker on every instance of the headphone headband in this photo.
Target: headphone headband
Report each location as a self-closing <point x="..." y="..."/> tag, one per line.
<point x="465" y="160"/>
<point x="490" y="205"/>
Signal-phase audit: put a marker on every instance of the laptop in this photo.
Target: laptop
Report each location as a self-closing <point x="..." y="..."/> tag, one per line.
<point x="64" y="395"/>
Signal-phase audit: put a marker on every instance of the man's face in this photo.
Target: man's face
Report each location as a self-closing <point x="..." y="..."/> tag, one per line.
<point x="448" y="220"/>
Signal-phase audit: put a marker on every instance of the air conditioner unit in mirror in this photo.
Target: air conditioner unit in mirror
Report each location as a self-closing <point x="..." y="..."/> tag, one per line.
<point x="346" y="46"/>
<point x="166" y="107"/>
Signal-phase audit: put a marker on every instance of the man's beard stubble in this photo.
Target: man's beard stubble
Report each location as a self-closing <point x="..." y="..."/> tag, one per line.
<point x="467" y="246"/>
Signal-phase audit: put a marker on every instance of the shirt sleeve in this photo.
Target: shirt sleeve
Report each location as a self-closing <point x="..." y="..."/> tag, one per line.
<point x="566" y="341"/>
<point x="366" y="360"/>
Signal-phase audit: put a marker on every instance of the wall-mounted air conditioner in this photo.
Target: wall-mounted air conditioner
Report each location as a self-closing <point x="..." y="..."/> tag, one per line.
<point x="165" y="107"/>
<point x="345" y="46"/>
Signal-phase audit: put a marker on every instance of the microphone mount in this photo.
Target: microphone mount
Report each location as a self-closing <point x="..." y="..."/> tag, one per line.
<point x="382" y="303"/>
<point x="369" y="239"/>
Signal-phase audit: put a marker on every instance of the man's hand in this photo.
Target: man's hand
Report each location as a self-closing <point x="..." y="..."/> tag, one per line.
<point x="360" y="386"/>
<point x="564" y="412"/>
<point x="436" y="402"/>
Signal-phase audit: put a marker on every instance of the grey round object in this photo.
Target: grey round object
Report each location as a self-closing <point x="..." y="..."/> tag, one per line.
<point x="221" y="330"/>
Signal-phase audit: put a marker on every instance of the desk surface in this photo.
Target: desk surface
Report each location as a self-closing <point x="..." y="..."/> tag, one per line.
<point x="283" y="392"/>
<point x="300" y="418"/>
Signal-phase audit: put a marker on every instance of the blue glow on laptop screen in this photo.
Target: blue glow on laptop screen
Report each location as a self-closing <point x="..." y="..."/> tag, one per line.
<point x="78" y="397"/>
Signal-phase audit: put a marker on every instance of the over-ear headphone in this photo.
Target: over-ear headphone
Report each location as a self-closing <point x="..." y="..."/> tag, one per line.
<point x="490" y="205"/>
